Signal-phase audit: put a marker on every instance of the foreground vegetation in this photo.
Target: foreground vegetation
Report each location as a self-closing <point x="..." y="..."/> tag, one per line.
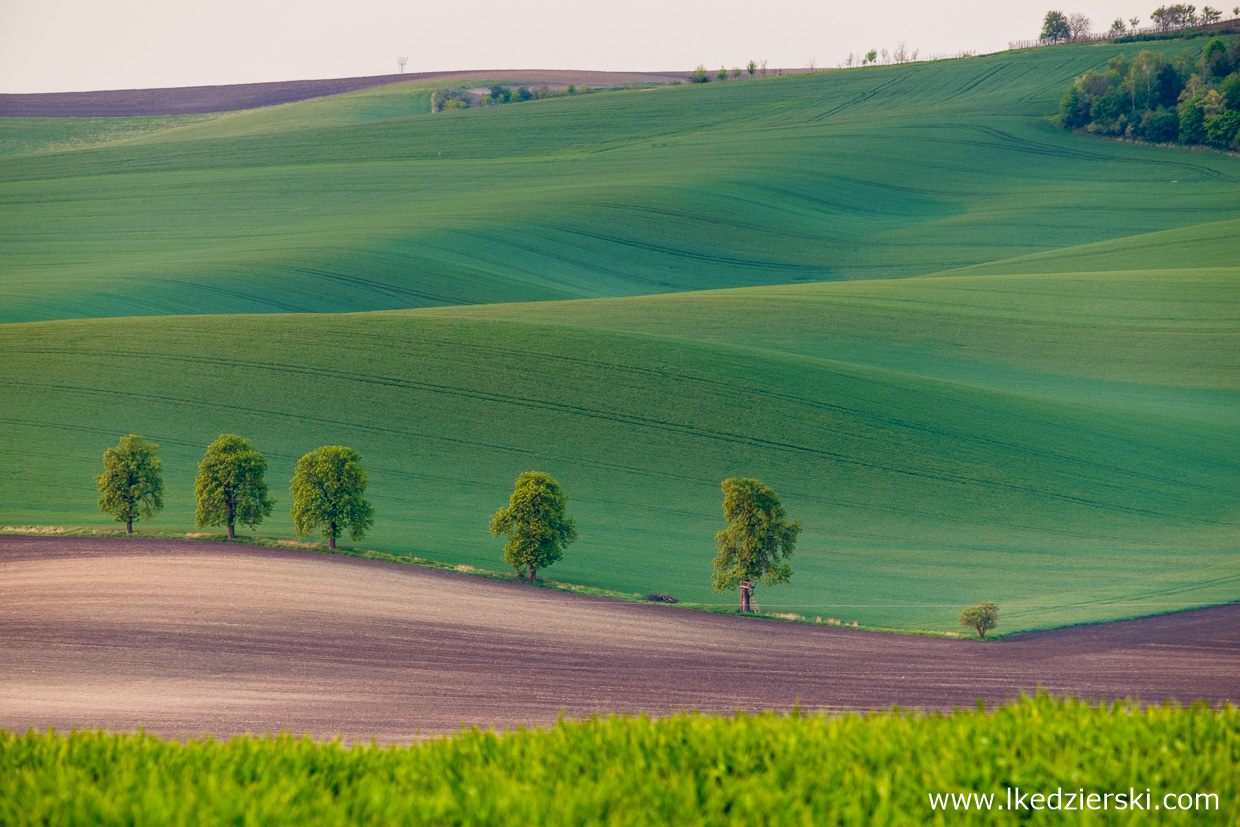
<point x="689" y="769"/>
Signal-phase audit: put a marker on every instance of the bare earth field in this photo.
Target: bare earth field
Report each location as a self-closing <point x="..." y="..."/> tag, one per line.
<point x="187" y="638"/>
<point x="197" y="100"/>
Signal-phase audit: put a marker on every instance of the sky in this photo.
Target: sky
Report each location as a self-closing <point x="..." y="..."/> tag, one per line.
<point x="83" y="45"/>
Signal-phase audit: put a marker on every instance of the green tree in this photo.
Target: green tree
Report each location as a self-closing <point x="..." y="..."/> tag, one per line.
<point x="751" y="67"/>
<point x="1230" y="90"/>
<point x="536" y="523"/>
<point x="1055" y="27"/>
<point x="327" y="489"/>
<point x="757" y="542"/>
<point x="722" y="74"/>
<point x="131" y="485"/>
<point x="1143" y="80"/>
<point x="870" y="57"/>
<point x="1161" y="126"/>
<point x="1223" y="128"/>
<point x="230" y="487"/>
<point x="983" y="617"/>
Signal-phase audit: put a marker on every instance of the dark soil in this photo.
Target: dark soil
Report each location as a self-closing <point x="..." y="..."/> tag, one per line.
<point x="185" y="638"/>
<point x="195" y="100"/>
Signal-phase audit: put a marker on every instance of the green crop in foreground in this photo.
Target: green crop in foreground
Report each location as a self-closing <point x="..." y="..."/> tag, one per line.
<point x="689" y="769"/>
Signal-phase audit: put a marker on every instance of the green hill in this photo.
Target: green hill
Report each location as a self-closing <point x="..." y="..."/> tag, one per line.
<point x="1040" y="412"/>
<point x="874" y="173"/>
<point x="1064" y="494"/>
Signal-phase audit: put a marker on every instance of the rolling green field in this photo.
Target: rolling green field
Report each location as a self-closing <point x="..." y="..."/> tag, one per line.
<point x="980" y="357"/>
<point x="888" y="768"/>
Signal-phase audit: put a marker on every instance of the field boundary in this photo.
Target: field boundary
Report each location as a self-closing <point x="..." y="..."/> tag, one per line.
<point x="472" y="571"/>
<point x="561" y="585"/>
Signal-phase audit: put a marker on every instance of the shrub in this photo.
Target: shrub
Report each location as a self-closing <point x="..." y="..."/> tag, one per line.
<point x="1162" y="126"/>
<point x="1230" y="90"/>
<point x="1192" y="122"/>
<point x="443" y="100"/>
<point x="1221" y="129"/>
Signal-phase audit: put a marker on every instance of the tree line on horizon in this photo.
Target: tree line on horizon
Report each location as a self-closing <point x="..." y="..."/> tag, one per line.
<point x="1060" y="27"/>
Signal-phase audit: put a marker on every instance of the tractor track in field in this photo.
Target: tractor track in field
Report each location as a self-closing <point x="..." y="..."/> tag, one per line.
<point x="185" y="638"/>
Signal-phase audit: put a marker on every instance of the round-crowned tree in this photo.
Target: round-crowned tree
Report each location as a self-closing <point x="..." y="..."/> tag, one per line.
<point x="131" y="486"/>
<point x="328" y="488"/>
<point x="230" y="487"/>
<point x="536" y="523"/>
<point x="981" y="618"/>
<point x="757" y="542"/>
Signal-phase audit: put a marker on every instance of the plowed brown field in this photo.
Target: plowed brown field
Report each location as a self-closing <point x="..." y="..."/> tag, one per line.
<point x="197" y="100"/>
<point x="185" y="638"/>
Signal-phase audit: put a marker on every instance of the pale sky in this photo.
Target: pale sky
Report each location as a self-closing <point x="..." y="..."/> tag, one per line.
<point x="80" y="45"/>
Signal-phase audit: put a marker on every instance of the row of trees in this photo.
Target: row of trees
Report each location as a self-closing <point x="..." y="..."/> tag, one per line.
<point x="900" y="54"/>
<point x="702" y="75"/>
<point x="1058" y="27"/>
<point x="1186" y="100"/>
<point x="754" y="547"/>
<point x="328" y="488"/>
<point x="329" y="485"/>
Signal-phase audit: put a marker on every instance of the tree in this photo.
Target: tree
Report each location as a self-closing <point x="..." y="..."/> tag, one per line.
<point x="536" y="523"/>
<point x="1210" y="15"/>
<point x="699" y="75"/>
<point x="722" y="74"/>
<point x="131" y="486"/>
<point x="1223" y="129"/>
<point x="1079" y="25"/>
<point x="1176" y="16"/>
<point x="1118" y="27"/>
<point x="1230" y="90"/>
<point x="1055" y="27"/>
<point x="758" y="541"/>
<point x="752" y="68"/>
<point x="230" y="487"/>
<point x="1134" y="22"/>
<point x="983" y="617"/>
<point x="1143" y="79"/>
<point x="327" y="490"/>
<point x="870" y="57"/>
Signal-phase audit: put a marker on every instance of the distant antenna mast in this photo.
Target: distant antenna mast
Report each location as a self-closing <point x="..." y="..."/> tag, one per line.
<point x="401" y="61"/>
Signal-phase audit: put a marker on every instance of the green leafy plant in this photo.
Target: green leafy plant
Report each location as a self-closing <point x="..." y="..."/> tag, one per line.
<point x="981" y="618"/>
<point x="770" y="769"/>
<point x="328" y="487"/>
<point x="131" y="486"/>
<point x="757" y="542"/>
<point x="230" y="487"/>
<point x="536" y="522"/>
